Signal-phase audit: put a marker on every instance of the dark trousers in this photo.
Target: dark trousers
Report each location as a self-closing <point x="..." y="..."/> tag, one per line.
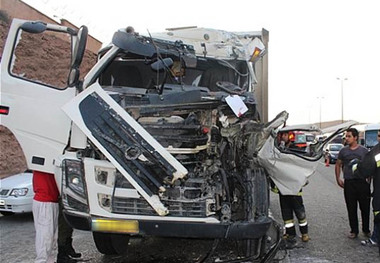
<point x="377" y="226"/>
<point x="293" y="204"/>
<point x="65" y="231"/>
<point x="357" y="191"/>
<point x="376" y="231"/>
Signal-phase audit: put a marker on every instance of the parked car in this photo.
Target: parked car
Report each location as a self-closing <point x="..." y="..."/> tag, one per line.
<point x="310" y="139"/>
<point x="332" y="151"/>
<point x="16" y="193"/>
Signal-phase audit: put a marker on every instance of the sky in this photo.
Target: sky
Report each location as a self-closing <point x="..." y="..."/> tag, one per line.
<point x="311" y="44"/>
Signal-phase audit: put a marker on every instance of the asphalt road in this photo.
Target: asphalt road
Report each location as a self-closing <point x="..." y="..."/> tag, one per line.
<point x="326" y="213"/>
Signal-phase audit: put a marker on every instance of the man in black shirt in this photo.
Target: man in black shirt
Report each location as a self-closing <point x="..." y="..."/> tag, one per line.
<point x="356" y="189"/>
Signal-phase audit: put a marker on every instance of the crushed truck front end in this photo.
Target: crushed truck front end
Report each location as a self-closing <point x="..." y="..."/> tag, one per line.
<point x="163" y="137"/>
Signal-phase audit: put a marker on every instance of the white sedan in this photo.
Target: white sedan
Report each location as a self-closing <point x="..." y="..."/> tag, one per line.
<point x="16" y="193"/>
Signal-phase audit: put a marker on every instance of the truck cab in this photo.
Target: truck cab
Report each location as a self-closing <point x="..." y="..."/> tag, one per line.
<point x="162" y="137"/>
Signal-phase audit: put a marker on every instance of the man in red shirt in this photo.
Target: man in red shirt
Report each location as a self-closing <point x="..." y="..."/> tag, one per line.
<point x="45" y="214"/>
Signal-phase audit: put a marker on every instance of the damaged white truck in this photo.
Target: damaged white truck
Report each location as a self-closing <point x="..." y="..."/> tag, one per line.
<point x="163" y="137"/>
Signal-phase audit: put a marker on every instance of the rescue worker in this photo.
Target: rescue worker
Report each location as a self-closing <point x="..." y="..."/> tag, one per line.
<point x="290" y="205"/>
<point x="369" y="166"/>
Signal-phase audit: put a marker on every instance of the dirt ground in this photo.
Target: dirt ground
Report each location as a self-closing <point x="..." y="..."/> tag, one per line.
<point x="12" y="160"/>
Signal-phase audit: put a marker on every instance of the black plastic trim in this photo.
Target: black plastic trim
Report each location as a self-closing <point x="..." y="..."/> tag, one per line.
<point x="4" y="110"/>
<point x="38" y="160"/>
<point x="237" y="230"/>
<point x="77" y="221"/>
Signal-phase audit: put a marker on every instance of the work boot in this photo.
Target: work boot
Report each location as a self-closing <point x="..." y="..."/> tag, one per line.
<point x="305" y="238"/>
<point x="62" y="257"/>
<point x="290" y="242"/>
<point x="67" y="254"/>
<point x="71" y="252"/>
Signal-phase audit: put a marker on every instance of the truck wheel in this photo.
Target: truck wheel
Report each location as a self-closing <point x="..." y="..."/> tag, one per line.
<point x="111" y="244"/>
<point x="257" y="193"/>
<point x="120" y="243"/>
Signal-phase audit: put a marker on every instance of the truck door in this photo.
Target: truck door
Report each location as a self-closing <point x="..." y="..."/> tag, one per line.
<point x="36" y="62"/>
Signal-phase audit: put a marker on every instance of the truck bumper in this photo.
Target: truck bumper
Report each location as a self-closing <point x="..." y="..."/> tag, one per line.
<point x="236" y="230"/>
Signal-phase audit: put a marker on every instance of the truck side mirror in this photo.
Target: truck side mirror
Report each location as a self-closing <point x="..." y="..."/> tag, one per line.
<point x="34" y="27"/>
<point x="77" y="55"/>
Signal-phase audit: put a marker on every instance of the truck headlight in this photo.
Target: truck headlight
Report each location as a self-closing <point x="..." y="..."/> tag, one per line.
<point x="16" y="192"/>
<point x="74" y="176"/>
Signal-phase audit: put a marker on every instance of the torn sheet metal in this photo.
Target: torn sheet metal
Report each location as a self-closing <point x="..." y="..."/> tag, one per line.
<point x="289" y="172"/>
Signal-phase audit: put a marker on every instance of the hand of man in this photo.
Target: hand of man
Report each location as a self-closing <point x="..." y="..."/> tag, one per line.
<point x="340" y="182"/>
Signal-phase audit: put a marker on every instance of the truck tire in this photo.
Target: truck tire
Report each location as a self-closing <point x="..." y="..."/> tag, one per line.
<point x="120" y="243"/>
<point x="111" y="244"/>
<point x="257" y="193"/>
<point x="103" y="243"/>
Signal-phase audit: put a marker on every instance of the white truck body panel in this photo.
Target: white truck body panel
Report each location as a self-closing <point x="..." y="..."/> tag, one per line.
<point x="35" y="116"/>
<point x="216" y="43"/>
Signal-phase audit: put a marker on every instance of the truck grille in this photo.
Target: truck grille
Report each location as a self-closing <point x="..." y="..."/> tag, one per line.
<point x="141" y="207"/>
<point x="132" y="206"/>
<point x="193" y="209"/>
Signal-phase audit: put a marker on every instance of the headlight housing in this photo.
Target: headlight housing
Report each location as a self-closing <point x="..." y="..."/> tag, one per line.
<point x="16" y="192"/>
<point x="74" y="176"/>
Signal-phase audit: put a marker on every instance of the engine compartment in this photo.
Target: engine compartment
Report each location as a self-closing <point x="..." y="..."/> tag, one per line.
<point x="180" y="99"/>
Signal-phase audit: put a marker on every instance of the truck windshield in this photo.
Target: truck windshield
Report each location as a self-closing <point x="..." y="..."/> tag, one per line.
<point x="131" y="70"/>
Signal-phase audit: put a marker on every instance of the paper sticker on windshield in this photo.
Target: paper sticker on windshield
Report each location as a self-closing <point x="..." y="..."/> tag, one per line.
<point x="237" y="105"/>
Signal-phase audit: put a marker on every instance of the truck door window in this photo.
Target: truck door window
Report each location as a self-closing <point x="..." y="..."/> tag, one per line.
<point x="43" y="58"/>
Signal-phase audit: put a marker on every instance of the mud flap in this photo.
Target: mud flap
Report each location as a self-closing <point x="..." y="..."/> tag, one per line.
<point x="126" y="144"/>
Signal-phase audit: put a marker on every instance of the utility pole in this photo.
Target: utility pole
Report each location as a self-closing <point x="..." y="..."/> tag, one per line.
<point x="320" y="111"/>
<point x="341" y="90"/>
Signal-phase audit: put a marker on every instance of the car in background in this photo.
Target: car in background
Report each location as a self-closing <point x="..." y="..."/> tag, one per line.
<point x="16" y="193"/>
<point x="332" y="151"/>
<point x="310" y="139"/>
